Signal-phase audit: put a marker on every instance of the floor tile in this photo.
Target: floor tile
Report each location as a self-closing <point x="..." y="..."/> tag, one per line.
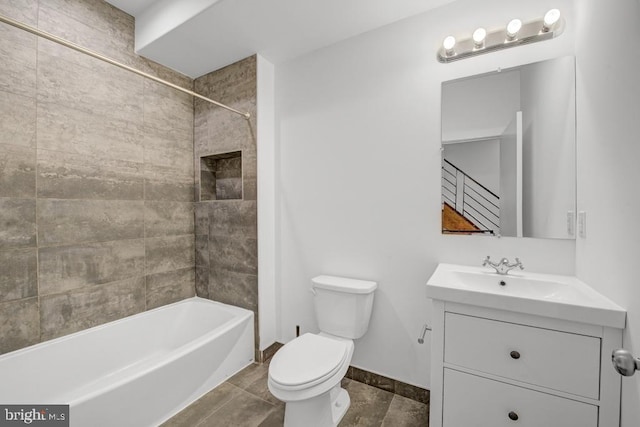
<point x="275" y="418"/>
<point x="243" y="410"/>
<point x="203" y="407"/>
<point x="404" y="412"/>
<point x="245" y="401"/>
<point x="249" y="375"/>
<point x="368" y="405"/>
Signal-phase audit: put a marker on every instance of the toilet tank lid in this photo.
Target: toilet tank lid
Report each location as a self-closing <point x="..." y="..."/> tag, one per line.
<point x="343" y="284"/>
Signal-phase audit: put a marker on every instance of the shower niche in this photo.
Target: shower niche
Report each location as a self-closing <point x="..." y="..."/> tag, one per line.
<point x="221" y="176"/>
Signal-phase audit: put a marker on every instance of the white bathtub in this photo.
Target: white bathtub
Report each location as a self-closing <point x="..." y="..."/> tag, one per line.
<point x="137" y="371"/>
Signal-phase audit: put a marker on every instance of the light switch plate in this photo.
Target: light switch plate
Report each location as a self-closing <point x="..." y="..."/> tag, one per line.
<point x="582" y="224"/>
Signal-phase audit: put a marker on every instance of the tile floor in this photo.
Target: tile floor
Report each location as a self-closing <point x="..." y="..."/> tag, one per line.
<point x="244" y="400"/>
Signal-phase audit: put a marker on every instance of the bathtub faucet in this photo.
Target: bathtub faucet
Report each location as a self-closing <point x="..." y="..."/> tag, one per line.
<point x="503" y="266"/>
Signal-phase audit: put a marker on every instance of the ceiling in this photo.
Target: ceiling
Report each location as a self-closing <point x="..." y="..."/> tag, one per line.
<point x="195" y="37"/>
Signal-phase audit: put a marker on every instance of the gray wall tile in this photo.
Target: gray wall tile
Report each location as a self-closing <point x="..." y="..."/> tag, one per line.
<point x="250" y="175"/>
<point x="73" y="176"/>
<point x="19" y="324"/>
<point x="167" y="109"/>
<point x="93" y="142"/>
<point x="220" y="132"/>
<point x="168" y="218"/>
<point x="96" y="25"/>
<point x="70" y="130"/>
<point x="155" y="69"/>
<point x="18" y="277"/>
<point x="172" y="286"/>
<point x="17" y="222"/>
<point x="168" y="149"/>
<point x="76" y="221"/>
<point x="17" y="119"/>
<point x="234" y="218"/>
<point x="65" y="313"/>
<point x="165" y="183"/>
<point x="169" y="253"/>
<point x="232" y="224"/>
<point x="17" y="171"/>
<point x="234" y="288"/>
<point x="18" y="65"/>
<point x="69" y="78"/>
<point x="236" y="254"/>
<point x="202" y="251"/>
<point x="202" y="218"/>
<point x="202" y="282"/>
<point x="62" y="268"/>
<point x="21" y="10"/>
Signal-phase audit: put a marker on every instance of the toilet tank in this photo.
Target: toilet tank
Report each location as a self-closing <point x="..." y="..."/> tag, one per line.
<point x="343" y="306"/>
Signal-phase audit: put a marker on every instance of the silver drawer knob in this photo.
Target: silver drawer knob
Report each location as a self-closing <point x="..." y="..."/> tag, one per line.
<point x="624" y="362"/>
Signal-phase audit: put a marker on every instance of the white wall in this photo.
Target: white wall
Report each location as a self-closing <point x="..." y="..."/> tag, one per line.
<point x="359" y="174"/>
<point x="608" y="90"/>
<point x="549" y="111"/>
<point x="267" y="301"/>
<point x="510" y="152"/>
<point x="479" y="107"/>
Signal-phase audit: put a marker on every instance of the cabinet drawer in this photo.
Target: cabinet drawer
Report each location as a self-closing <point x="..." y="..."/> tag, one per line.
<point x="556" y="360"/>
<point x="473" y="401"/>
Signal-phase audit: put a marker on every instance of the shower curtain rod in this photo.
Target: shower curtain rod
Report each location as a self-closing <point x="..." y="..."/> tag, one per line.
<point x="96" y="55"/>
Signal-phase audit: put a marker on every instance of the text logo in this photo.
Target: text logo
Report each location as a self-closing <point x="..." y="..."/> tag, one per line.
<point x="34" y="415"/>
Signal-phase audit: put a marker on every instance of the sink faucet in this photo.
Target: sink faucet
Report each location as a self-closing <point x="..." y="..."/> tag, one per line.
<point x="503" y="267"/>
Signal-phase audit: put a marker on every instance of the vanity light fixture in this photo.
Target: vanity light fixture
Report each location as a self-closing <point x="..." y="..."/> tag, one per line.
<point x="479" y="37"/>
<point x="448" y="45"/>
<point x="514" y="34"/>
<point x="550" y="19"/>
<point x="513" y="27"/>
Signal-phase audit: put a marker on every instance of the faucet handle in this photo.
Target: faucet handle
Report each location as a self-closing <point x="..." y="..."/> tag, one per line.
<point x="518" y="264"/>
<point x="486" y="261"/>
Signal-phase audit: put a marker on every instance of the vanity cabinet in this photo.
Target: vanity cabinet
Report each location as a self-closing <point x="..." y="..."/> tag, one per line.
<point x="493" y="367"/>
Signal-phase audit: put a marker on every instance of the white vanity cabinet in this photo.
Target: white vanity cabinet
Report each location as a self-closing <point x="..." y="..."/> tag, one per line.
<point x="521" y="349"/>
<point x="493" y="367"/>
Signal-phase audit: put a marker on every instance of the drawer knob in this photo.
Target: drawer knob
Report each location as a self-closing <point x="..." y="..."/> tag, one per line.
<point x="513" y="416"/>
<point x="515" y="355"/>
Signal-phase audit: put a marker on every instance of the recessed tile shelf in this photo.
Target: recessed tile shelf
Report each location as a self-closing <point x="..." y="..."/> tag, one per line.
<point x="221" y="176"/>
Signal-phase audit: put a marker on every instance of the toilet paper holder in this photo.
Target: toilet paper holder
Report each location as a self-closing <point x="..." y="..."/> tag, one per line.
<point x="425" y="328"/>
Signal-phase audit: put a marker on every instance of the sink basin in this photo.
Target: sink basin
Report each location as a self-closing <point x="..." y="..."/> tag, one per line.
<point x="562" y="297"/>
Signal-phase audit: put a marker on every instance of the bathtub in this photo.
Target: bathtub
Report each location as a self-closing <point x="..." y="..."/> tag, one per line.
<point x="137" y="371"/>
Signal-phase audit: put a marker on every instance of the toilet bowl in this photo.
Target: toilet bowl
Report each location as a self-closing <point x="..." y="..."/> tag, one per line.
<point x="307" y="376"/>
<point x="307" y="372"/>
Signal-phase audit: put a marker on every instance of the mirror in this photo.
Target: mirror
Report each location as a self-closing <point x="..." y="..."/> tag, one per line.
<point x="509" y="152"/>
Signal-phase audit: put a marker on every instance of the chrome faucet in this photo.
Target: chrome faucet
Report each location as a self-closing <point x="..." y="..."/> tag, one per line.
<point x="503" y="267"/>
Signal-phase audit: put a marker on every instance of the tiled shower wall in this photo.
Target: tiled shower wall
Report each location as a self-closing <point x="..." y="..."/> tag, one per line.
<point x="226" y="230"/>
<point x="96" y="176"/>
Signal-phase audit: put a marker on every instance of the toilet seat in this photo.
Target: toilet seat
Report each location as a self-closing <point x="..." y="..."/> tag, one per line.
<point x="306" y="361"/>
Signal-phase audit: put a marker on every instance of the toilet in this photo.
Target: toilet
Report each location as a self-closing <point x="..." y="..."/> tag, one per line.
<point x="306" y="373"/>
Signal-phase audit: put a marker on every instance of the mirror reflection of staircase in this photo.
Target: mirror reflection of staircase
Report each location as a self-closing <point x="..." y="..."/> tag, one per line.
<point x="454" y="222"/>
<point x="468" y="207"/>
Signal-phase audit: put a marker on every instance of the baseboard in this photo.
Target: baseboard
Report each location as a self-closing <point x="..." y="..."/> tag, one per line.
<point x="388" y="384"/>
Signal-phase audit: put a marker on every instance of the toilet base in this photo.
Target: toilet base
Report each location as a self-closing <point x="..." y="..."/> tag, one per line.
<point x="325" y="410"/>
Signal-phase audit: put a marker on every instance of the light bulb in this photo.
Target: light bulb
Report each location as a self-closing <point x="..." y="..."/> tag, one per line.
<point x="512" y="28"/>
<point x="448" y="44"/>
<point x="478" y="37"/>
<point x="550" y="18"/>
